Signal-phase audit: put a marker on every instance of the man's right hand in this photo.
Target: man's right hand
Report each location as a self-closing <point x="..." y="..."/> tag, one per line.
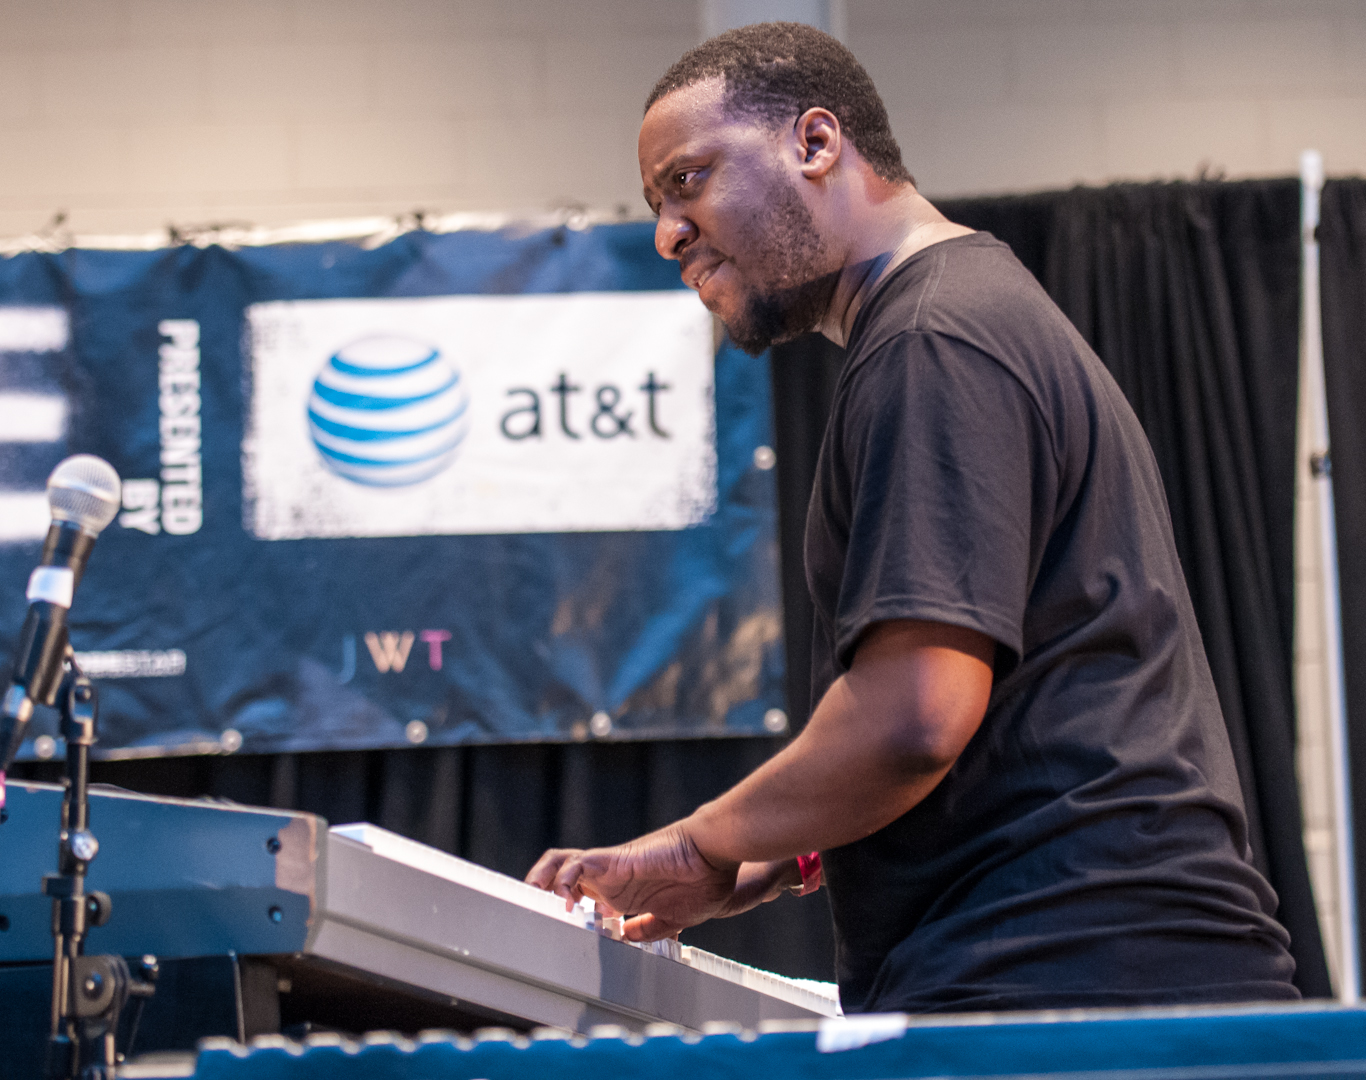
<point x="662" y="883"/>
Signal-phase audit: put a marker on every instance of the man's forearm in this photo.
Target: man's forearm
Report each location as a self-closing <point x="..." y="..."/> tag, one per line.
<point x="880" y="740"/>
<point x="820" y="792"/>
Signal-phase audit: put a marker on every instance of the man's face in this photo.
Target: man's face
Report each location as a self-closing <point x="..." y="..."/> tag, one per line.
<point x="731" y="212"/>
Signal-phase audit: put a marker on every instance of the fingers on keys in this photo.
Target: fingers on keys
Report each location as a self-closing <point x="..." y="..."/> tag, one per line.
<point x="566" y="881"/>
<point x="547" y="869"/>
<point x="647" y="928"/>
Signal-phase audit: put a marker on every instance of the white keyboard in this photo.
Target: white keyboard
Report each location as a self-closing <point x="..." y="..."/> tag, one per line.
<point x="358" y="915"/>
<point x="819" y="997"/>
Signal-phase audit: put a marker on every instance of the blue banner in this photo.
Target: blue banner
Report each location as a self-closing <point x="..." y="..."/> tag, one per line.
<point x="460" y="488"/>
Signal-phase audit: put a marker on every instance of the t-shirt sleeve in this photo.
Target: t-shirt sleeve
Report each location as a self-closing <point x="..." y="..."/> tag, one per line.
<point x="947" y="457"/>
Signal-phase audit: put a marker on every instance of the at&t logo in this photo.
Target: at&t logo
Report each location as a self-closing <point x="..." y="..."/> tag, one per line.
<point x="387" y="411"/>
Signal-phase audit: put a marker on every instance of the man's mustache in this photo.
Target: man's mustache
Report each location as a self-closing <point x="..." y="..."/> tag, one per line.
<point x="707" y="256"/>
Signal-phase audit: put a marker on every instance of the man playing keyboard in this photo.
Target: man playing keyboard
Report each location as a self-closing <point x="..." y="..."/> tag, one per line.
<point x="1016" y="773"/>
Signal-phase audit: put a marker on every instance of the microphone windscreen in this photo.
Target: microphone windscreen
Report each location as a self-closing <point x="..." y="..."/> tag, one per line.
<point x="84" y="490"/>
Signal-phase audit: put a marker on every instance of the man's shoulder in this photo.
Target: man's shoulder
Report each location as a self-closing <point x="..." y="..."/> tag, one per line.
<point x="971" y="288"/>
<point x="971" y="295"/>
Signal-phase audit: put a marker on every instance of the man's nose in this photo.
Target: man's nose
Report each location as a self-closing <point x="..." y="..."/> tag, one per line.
<point x="673" y="232"/>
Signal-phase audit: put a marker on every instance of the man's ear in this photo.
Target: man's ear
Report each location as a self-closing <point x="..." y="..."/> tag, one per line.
<point x="819" y="141"/>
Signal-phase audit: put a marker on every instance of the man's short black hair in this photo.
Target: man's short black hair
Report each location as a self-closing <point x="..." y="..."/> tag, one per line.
<point x="775" y="71"/>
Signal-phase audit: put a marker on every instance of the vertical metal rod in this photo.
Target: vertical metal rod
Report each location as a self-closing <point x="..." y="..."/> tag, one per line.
<point x="1320" y="464"/>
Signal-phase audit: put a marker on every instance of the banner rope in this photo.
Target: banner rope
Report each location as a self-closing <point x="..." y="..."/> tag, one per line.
<point x="369" y="232"/>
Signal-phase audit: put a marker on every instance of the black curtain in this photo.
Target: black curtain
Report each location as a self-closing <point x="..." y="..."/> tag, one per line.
<point x="1189" y="292"/>
<point x="1342" y="239"/>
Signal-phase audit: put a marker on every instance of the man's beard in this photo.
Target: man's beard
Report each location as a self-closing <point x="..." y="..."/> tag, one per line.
<point x="786" y="245"/>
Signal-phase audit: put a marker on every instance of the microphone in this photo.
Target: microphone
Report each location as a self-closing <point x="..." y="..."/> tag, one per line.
<point x="84" y="494"/>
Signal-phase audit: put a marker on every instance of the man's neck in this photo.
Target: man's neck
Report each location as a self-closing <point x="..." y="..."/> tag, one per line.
<point x="892" y="233"/>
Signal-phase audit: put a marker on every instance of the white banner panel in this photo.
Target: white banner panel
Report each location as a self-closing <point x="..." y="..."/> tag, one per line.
<point x="33" y="329"/>
<point x="569" y="412"/>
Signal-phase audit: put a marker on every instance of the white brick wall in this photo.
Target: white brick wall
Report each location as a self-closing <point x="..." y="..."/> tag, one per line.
<point x="997" y="95"/>
<point x="130" y="114"/>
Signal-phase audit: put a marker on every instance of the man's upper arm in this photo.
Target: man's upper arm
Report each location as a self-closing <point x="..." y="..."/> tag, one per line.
<point x="952" y="474"/>
<point x="928" y="683"/>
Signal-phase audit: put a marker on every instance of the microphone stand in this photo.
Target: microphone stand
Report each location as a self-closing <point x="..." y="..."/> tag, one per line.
<point x="88" y="992"/>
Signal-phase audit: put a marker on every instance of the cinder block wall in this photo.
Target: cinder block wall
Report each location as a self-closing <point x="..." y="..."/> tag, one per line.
<point x="129" y="114"/>
<point x="1008" y="95"/>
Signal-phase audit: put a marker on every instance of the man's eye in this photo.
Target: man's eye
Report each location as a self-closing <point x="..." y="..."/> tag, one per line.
<point x="683" y="177"/>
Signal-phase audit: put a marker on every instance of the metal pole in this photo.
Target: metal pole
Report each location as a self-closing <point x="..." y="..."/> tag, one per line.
<point x="1320" y="466"/>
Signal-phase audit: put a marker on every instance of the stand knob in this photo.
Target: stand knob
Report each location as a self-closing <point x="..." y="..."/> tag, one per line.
<point x="100" y="984"/>
<point x="83" y="845"/>
<point x="145" y="973"/>
<point x="98" y="908"/>
<point x="93" y="987"/>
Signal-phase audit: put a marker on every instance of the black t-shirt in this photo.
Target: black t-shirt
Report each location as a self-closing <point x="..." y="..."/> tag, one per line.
<point x="1089" y="847"/>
